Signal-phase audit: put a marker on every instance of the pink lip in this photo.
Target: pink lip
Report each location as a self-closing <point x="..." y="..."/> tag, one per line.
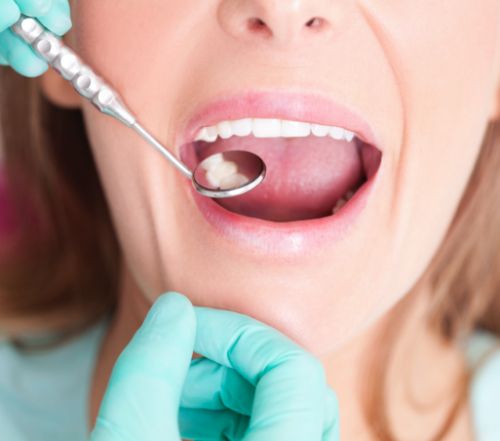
<point x="283" y="240"/>
<point x="312" y="108"/>
<point x="280" y="240"/>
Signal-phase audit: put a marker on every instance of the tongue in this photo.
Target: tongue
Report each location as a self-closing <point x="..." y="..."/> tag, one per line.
<point x="305" y="176"/>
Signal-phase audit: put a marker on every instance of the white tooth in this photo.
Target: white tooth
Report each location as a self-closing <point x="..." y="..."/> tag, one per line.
<point x="337" y="133"/>
<point x="213" y="179"/>
<point x="348" y="136"/>
<point x="210" y="162"/>
<point x="270" y="128"/>
<point x="212" y="133"/>
<point x="206" y="134"/>
<point x="320" y="130"/>
<point x="224" y="129"/>
<point x="266" y="128"/>
<point x="202" y="135"/>
<point x="233" y="181"/>
<point x="295" y="129"/>
<point x="221" y="171"/>
<point x="338" y="205"/>
<point x="226" y="168"/>
<point x="242" y="127"/>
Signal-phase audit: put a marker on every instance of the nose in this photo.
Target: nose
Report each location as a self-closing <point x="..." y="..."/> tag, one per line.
<point x="282" y="22"/>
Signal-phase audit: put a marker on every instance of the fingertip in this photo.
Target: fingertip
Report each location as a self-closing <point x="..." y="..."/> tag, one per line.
<point x="57" y="23"/>
<point x="171" y="310"/>
<point x="58" y="18"/>
<point x="30" y="67"/>
<point x="42" y="6"/>
<point x="63" y="25"/>
<point x="35" y="8"/>
<point x="33" y="71"/>
<point x="175" y="299"/>
<point x="10" y="14"/>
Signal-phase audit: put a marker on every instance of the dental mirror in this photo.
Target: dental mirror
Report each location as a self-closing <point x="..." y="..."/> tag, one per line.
<point x="221" y="175"/>
<point x="229" y="174"/>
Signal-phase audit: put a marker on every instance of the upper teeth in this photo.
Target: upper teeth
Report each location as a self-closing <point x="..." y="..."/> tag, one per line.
<point x="270" y="128"/>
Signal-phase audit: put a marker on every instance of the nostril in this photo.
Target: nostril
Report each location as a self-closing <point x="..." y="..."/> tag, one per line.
<point x="317" y="23"/>
<point x="255" y="24"/>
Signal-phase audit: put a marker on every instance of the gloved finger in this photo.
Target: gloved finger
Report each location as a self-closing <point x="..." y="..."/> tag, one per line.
<point x="332" y="418"/>
<point x="3" y="61"/>
<point x="143" y="395"/>
<point x="34" y="8"/>
<point x="58" y="18"/>
<point x="212" y="425"/>
<point x="290" y="383"/>
<point x="10" y="13"/>
<point x="20" y="56"/>
<point x="210" y="385"/>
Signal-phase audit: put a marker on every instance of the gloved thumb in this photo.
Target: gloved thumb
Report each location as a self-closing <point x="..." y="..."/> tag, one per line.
<point x="143" y="394"/>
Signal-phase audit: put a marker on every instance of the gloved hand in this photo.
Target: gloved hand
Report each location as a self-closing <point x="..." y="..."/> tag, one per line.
<point x="53" y="14"/>
<point x="252" y="383"/>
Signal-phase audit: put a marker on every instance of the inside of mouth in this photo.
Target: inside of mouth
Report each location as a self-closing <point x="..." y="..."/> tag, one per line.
<point x="307" y="178"/>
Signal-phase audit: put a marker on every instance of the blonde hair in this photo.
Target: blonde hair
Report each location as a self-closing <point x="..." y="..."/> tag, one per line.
<point x="64" y="266"/>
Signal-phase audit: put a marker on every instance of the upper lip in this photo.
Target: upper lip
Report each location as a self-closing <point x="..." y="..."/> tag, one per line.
<point x="307" y="107"/>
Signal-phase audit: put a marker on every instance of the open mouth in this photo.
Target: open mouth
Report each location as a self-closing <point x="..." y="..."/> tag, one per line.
<point x="313" y="170"/>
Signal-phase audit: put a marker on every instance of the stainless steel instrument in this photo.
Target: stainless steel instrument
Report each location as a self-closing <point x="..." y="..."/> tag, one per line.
<point x="244" y="170"/>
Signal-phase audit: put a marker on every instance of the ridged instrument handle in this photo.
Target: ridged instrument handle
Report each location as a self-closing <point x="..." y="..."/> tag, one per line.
<point x="84" y="80"/>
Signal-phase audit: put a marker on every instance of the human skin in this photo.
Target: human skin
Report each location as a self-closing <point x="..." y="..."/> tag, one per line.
<point x="424" y="74"/>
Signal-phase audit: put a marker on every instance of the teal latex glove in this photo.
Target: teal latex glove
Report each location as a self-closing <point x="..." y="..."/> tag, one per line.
<point x="53" y="14"/>
<point x="252" y="383"/>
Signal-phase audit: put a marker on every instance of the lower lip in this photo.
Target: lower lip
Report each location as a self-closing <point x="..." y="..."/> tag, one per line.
<point x="284" y="240"/>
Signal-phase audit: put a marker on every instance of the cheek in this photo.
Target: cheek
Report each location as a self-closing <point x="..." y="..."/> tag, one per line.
<point x="123" y="51"/>
<point x="447" y="77"/>
<point x="138" y="48"/>
<point x="112" y="47"/>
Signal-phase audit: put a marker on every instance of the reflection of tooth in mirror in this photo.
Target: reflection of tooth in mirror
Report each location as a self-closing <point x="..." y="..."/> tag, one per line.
<point x="228" y="174"/>
<point x="211" y="161"/>
<point x="219" y="171"/>
<point x="233" y="181"/>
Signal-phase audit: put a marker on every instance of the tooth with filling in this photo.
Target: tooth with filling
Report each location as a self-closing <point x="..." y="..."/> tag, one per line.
<point x="266" y="128"/>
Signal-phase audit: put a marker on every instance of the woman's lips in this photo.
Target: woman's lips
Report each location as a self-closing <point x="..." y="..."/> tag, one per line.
<point x="314" y="108"/>
<point x="281" y="239"/>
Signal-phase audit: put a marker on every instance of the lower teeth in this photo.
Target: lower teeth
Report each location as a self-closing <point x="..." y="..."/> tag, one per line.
<point x="342" y="201"/>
